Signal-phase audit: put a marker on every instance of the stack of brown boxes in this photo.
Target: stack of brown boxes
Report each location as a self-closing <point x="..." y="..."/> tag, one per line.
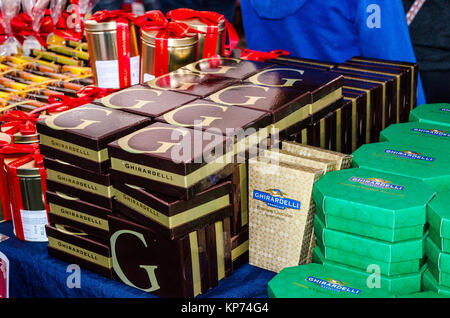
<point x="376" y="94"/>
<point x="176" y="202"/>
<point x="79" y="194"/>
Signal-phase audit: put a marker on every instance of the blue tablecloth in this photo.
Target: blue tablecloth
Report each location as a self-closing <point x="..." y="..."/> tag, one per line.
<point x="33" y="273"/>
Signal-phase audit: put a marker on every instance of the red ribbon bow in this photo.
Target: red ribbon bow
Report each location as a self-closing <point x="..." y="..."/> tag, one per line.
<point x="212" y="19"/>
<point x="115" y="15"/>
<point x="19" y="121"/>
<point x="259" y="56"/>
<point x="158" y="22"/>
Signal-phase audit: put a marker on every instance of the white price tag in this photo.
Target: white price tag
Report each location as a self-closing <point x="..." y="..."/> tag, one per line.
<point x="33" y="224"/>
<point x="107" y="74"/>
<point x="134" y="69"/>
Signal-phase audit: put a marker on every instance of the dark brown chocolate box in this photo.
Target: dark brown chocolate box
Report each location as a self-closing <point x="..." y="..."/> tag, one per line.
<point x="325" y="87"/>
<point x="358" y="117"/>
<point x="170" y="216"/>
<point x="302" y="62"/>
<point x="77" y="182"/>
<point x="187" y="82"/>
<point x="79" y="136"/>
<point x="239" y="248"/>
<point x="145" y="101"/>
<point x="89" y="218"/>
<point x="77" y="247"/>
<point x="218" y="243"/>
<point x="412" y="66"/>
<point x="151" y="262"/>
<point x="341" y="142"/>
<point x="324" y="129"/>
<point x="401" y="83"/>
<point x="374" y="106"/>
<point x="248" y="127"/>
<point x="239" y="197"/>
<point x="227" y="67"/>
<point x="389" y="91"/>
<point x="287" y="106"/>
<point x="175" y="161"/>
<point x="405" y="74"/>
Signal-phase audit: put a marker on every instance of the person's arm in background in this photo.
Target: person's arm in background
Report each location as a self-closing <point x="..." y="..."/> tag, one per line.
<point x="384" y="33"/>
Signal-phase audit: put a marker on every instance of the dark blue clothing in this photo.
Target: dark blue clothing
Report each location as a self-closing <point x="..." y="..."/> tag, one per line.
<point x="332" y="30"/>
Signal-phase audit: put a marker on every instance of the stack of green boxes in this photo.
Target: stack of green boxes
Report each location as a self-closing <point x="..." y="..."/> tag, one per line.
<point x="437" y="245"/>
<point x="372" y="224"/>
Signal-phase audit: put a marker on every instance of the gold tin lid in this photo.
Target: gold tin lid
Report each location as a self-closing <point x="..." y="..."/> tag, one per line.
<point x="200" y="26"/>
<point x="189" y="40"/>
<point x="29" y="169"/>
<point x="94" y="26"/>
<point x="18" y="138"/>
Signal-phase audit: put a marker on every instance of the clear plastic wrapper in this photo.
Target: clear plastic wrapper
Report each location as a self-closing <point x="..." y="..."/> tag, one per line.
<point x="56" y="9"/>
<point x="10" y="9"/>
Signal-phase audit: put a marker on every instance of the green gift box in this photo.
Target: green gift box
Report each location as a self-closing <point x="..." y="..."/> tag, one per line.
<point x="428" y="165"/>
<point x="373" y="197"/>
<point x="442" y="278"/>
<point x="352" y="260"/>
<point x="396" y="285"/>
<point x="436" y="257"/>
<point x="438" y="214"/>
<point x="369" y="230"/>
<point x="437" y="114"/>
<point x="317" y="281"/>
<point x="428" y="135"/>
<point x="442" y="243"/>
<point x="429" y="283"/>
<point x="375" y="249"/>
<point x="425" y="294"/>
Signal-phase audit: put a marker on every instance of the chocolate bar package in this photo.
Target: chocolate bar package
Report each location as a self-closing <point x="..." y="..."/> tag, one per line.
<point x="389" y="92"/>
<point x="151" y="262"/>
<point x="324" y="127"/>
<point x="358" y="122"/>
<point x="187" y="82"/>
<point x="326" y="165"/>
<point x="374" y="106"/>
<point x="90" y="218"/>
<point x="421" y="134"/>
<point x="227" y="67"/>
<point x="414" y="70"/>
<point x="77" y="247"/>
<point x="77" y="182"/>
<point x="281" y="213"/>
<point x="438" y="114"/>
<point x="402" y="84"/>
<point x="175" y="161"/>
<point x="343" y="128"/>
<point x="79" y="136"/>
<point x="245" y="126"/>
<point x="239" y="248"/>
<point x="425" y="164"/>
<point x="170" y="216"/>
<point x="145" y="101"/>
<point x="344" y="161"/>
<point x="325" y="87"/>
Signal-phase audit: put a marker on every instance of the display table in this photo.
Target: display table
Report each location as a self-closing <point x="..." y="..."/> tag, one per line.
<point x="33" y="273"/>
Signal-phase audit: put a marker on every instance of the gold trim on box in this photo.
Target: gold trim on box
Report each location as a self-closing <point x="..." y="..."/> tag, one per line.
<point x="325" y="101"/>
<point x="92" y="187"/>
<point x="79" y="151"/>
<point x="77" y="216"/>
<point x="368" y="110"/>
<point x="244" y="193"/>
<point x="196" y="276"/>
<point x="169" y="177"/>
<point x="79" y="252"/>
<point x="176" y="220"/>
<point x="338" y="129"/>
<point x="239" y="250"/>
<point x="220" y="250"/>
